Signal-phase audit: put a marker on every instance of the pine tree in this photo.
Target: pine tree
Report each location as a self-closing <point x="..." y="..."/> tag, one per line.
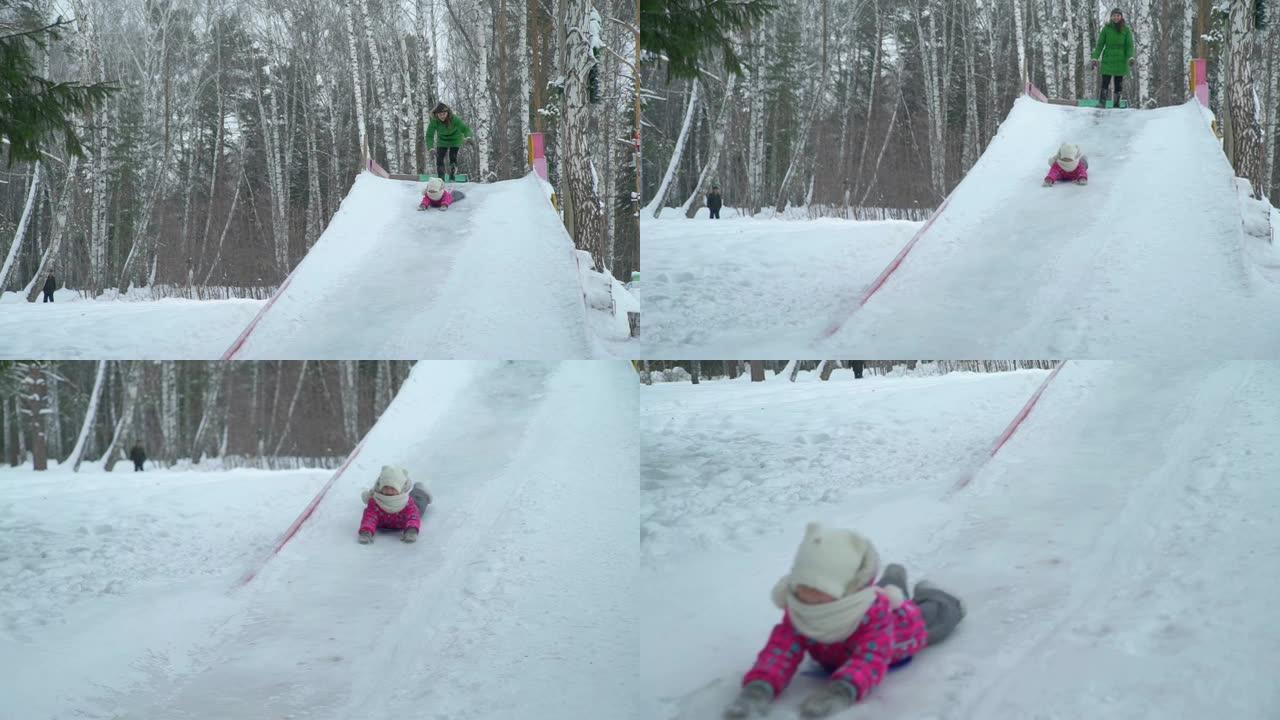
<point x="689" y="33"/>
<point x="33" y="109"/>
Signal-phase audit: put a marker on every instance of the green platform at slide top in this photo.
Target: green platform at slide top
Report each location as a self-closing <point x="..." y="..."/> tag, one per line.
<point x="460" y="178"/>
<point x="1093" y="103"/>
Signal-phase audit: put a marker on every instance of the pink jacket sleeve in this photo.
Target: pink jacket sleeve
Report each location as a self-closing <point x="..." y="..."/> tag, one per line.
<point x="778" y="662"/>
<point x="413" y="519"/>
<point x="369" y="521"/>
<point x="872" y="649"/>
<point x="1055" y="173"/>
<point x="447" y="199"/>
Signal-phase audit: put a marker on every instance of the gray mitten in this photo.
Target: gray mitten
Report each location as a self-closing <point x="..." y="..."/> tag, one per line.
<point x="366" y="537"/>
<point x="410" y="535"/>
<point x="752" y="701"/>
<point x="831" y="698"/>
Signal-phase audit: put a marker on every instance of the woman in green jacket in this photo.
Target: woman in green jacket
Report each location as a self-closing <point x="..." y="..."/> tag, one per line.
<point x="446" y="134"/>
<point x="1115" y="49"/>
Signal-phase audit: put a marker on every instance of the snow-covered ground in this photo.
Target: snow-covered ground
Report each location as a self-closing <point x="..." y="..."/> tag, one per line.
<point x="522" y="577"/>
<point x="73" y="328"/>
<point x="1149" y="260"/>
<point x="112" y="579"/>
<point x="762" y="287"/>
<point x="494" y="277"/>
<point x="1114" y="556"/>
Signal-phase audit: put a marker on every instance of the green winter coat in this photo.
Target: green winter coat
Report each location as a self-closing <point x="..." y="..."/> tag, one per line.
<point x="1115" y="48"/>
<point x="451" y="134"/>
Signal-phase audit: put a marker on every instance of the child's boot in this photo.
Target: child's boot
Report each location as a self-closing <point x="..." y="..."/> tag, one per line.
<point x="942" y="611"/>
<point x="895" y="575"/>
<point x="420" y="497"/>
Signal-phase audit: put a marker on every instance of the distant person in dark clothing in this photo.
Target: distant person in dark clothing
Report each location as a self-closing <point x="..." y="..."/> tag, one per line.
<point x="50" y="284"/>
<point x="138" y="456"/>
<point x="714" y="202"/>
<point x="857" y="366"/>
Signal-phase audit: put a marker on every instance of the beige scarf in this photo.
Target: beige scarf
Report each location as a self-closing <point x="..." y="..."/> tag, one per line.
<point x="827" y="622"/>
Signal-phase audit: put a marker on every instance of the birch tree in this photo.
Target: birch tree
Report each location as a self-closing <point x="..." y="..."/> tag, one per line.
<point x="90" y="414"/>
<point x="1245" y="134"/>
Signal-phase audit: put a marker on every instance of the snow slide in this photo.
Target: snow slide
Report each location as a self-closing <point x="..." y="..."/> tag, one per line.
<point x="1148" y="259"/>
<point x="494" y="276"/>
<point x="1113" y="555"/>
<point x="519" y="580"/>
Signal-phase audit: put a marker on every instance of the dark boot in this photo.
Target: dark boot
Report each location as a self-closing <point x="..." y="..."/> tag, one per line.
<point x="895" y="575"/>
<point x="1117" y="102"/>
<point x="1102" y="98"/>
<point x="420" y="497"/>
<point x="453" y="172"/>
<point x="942" y="611"/>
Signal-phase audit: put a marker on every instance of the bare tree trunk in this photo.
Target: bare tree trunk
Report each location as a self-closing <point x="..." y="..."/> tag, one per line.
<point x="212" y="390"/>
<point x="1245" y="130"/>
<point x="969" y="153"/>
<point x="355" y="77"/>
<point x="170" y="442"/>
<point x="35" y="396"/>
<point x="1020" y="40"/>
<point x="59" y="229"/>
<point x="90" y="414"/>
<point x="349" y="387"/>
<point x="664" y="188"/>
<point x="871" y="94"/>
<point x="756" y="122"/>
<point x="711" y="168"/>
<point x="131" y="373"/>
<point x="757" y="370"/>
<point x="584" y="200"/>
<point x="933" y="95"/>
<point x="293" y="404"/>
<point x="27" y="208"/>
<point x="380" y="90"/>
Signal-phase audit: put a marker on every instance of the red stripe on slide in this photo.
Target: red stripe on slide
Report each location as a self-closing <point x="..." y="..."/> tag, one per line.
<point x="306" y="513"/>
<point x="1016" y="423"/>
<point x="253" y="325"/>
<point x="884" y="275"/>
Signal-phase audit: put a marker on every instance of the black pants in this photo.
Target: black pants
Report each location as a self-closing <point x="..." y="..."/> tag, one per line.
<point x="48" y="296"/>
<point x="715" y="213"/>
<point x="1102" y="92"/>
<point x="453" y="160"/>
<point x="137" y="465"/>
<point x="857" y="366"/>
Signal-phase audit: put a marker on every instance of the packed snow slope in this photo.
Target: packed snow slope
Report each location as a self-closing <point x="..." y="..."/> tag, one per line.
<point x="742" y="286"/>
<point x="493" y="276"/>
<point x="521" y="579"/>
<point x="1113" y="555"/>
<point x="1146" y="260"/>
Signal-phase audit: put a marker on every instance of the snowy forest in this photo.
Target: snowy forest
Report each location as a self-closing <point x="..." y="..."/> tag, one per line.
<point x="275" y="415"/>
<point x="851" y="107"/>
<point x="694" y="371"/>
<point x="236" y="127"/>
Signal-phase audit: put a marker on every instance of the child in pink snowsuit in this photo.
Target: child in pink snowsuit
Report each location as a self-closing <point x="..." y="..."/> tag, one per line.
<point x="435" y="195"/>
<point x="393" y="502"/>
<point x="856" y="630"/>
<point x="1069" y="165"/>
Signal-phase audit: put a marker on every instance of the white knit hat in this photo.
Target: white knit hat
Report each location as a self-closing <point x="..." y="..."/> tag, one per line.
<point x="837" y="562"/>
<point x="392" y="476"/>
<point x="1068" y="157"/>
<point x="435" y="188"/>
